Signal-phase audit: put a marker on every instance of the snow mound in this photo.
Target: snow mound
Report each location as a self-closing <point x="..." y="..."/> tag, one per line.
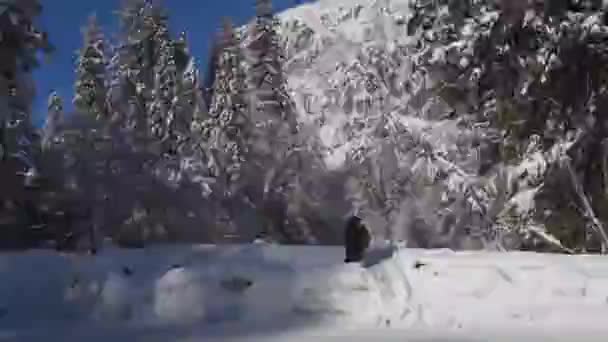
<point x="299" y="290"/>
<point x="343" y="294"/>
<point x="354" y="295"/>
<point x="180" y="296"/>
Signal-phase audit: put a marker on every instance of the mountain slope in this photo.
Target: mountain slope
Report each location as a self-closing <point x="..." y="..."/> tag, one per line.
<point x="350" y="68"/>
<point x="409" y="102"/>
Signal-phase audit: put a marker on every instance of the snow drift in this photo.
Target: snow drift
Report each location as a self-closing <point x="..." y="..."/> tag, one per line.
<point x="267" y="290"/>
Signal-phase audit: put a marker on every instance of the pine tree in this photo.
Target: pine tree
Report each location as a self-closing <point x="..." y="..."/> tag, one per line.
<point x="194" y="94"/>
<point x="90" y="87"/>
<point x="134" y="63"/>
<point x="20" y="42"/>
<point x="148" y="70"/>
<point x="53" y="119"/>
<point x="211" y="71"/>
<point x="165" y="83"/>
<point x="153" y="94"/>
<point x="227" y="123"/>
<point x="116" y="96"/>
<point x="174" y="103"/>
<point x="191" y="96"/>
<point x="189" y="100"/>
<point x="266" y="77"/>
<point x="273" y="139"/>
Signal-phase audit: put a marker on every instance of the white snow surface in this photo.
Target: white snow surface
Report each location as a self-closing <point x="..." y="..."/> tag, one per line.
<point x="288" y="293"/>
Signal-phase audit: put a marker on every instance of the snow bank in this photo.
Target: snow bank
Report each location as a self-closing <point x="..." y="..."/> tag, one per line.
<point x="180" y="296"/>
<point x="266" y="290"/>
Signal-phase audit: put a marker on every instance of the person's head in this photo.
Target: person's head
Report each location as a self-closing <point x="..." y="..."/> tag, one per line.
<point x="514" y="10"/>
<point x="353" y="221"/>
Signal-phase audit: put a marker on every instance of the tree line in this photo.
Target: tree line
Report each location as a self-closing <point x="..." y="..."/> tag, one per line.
<point x="150" y="154"/>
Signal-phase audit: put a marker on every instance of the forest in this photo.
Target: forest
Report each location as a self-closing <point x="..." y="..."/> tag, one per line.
<point x="478" y="125"/>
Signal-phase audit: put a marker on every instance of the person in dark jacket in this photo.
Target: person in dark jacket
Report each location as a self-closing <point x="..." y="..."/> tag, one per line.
<point x="356" y="240"/>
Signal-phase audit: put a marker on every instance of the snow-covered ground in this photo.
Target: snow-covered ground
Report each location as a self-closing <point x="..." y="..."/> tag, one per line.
<point x="287" y="293"/>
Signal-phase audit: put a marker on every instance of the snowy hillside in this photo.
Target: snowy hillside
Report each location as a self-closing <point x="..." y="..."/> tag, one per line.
<point x="414" y="168"/>
<point x="403" y="100"/>
<point x="330" y="56"/>
<point x="267" y="292"/>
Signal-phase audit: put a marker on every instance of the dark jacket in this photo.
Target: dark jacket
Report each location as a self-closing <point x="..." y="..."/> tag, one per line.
<point x="356" y="240"/>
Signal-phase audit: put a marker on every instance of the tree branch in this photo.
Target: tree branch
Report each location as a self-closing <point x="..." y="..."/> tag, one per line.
<point x="596" y="224"/>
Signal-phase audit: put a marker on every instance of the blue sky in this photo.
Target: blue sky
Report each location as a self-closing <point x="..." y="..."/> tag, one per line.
<point x="63" y="19"/>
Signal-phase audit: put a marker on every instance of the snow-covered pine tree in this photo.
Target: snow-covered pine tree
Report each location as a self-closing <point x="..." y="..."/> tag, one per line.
<point x="463" y="182"/>
<point x="225" y="137"/>
<point x="134" y="63"/>
<point x="90" y="87"/>
<point x="53" y="119"/>
<point x="203" y="124"/>
<point x="266" y="80"/>
<point x="115" y="79"/>
<point x="165" y="82"/>
<point x="273" y="139"/>
<point x="188" y="102"/>
<point x="531" y="73"/>
<point x="20" y="42"/>
<point x="175" y="97"/>
<point x="222" y="134"/>
<point x="191" y="97"/>
<point x="210" y="71"/>
<point x="149" y="67"/>
<point x="152" y="75"/>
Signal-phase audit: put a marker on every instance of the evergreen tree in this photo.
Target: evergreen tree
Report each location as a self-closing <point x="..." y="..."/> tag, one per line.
<point x="188" y="103"/>
<point x="272" y="104"/>
<point x="90" y="87"/>
<point x="153" y="93"/>
<point x="191" y="96"/>
<point x="53" y="119"/>
<point x="165" y="82"/>
<point x="140" y="20"/>
<point x="273" y="139"/>
<point x="211" y="71"/>
<point x="20" y="41"/>
<point x="174" y="103"/>
<point x="149" y="66"/>
<point x="227" y="124"/>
